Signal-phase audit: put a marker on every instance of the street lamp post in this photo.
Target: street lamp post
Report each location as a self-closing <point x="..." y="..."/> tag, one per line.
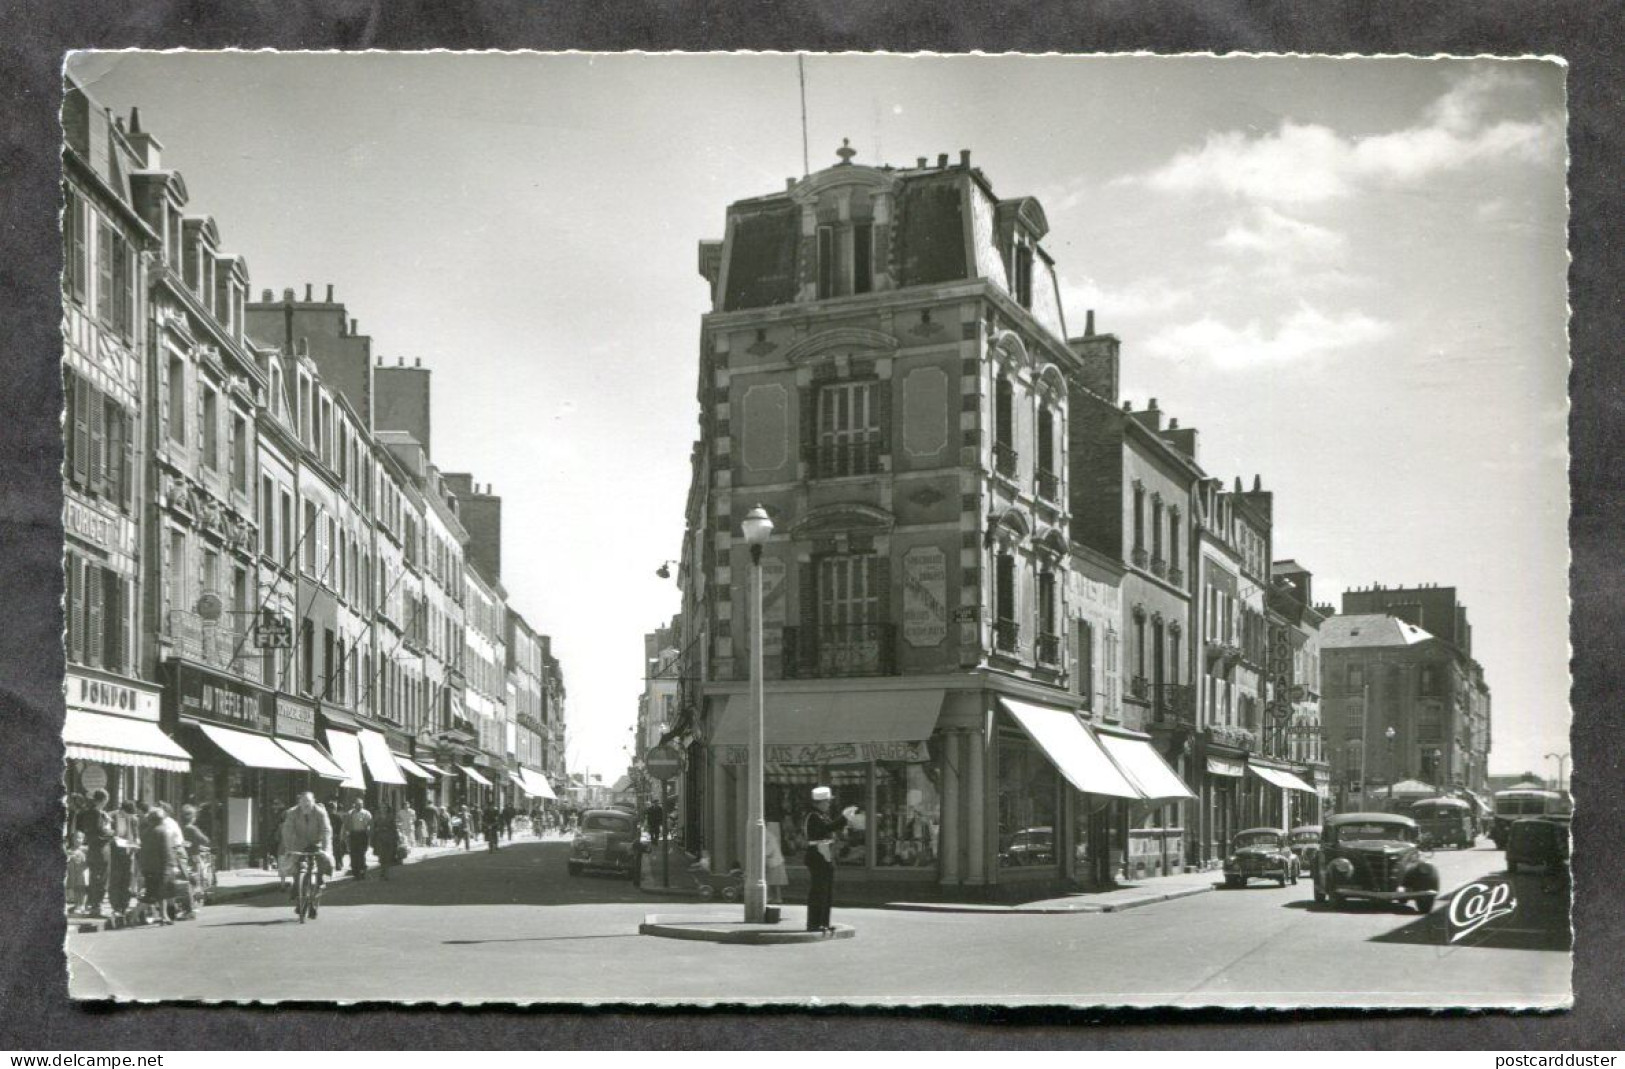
<point x="1389" y="734"/>
<point x="1562" y="760"/>
<point x="757" y="526"/>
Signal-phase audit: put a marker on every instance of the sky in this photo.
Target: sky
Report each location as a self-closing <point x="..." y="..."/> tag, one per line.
<point x="1348" y="274"/>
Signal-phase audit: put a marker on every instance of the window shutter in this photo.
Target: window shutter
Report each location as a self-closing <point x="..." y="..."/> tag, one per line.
<point x="113" y="607"/>
<point x="97" y="419"/>
<point x="880" y="587"/>
<point x="93" y="616"/>
<point x="104" y="272"/>
<point x="880" y="413"/>
<point x="73" y="231"/>
<point x="1086" y="662"/>
<point x="75" y="609"/>
<point x="82" y="394"/>
<point x="809" y="427"/>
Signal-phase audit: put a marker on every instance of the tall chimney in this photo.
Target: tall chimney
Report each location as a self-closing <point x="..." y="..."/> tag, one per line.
<point x="1089" y="323"/>
<point x="920" y="162"/>
<point x="287" y="293"/>
<point x="352" y="326"/>
<point x="309" y="293"/>
<point x="942" y="159"/>
<point x="330" y="293"/>
<point x="417" y="361"/>
<point x="964" y="158"/>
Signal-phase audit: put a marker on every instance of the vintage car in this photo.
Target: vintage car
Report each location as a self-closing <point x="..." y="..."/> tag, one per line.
<point x="1305" y="843"/>
<point x="1260" y="853"/>
<point x="604" y="839"/>
<point x="1377" y="856"/>
<point x="1030" y="846"/>
<point x="1542" y="841"/>
<point x="1444" y="822"/>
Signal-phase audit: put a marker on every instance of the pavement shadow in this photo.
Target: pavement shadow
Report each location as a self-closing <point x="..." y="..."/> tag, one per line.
<point x="522" y="874"/>
<point x="1539" y="921"/>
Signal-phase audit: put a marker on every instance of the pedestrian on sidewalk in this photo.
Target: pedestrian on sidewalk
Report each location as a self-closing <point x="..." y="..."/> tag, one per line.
<point x="163" y="872"/>
<point x="508" y="813"/>
<point x="200" y="853"/>
<point x="357" y="834"/>
<point x="78" y="873"/>
<point x="386" y="840"/>
<point x="406" y="825"/>
<point x="819" y="831"/>
<point x="96" y="824"/>
<point x="122" y="872"/>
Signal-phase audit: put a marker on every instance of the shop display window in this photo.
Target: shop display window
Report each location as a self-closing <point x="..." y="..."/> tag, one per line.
<point x="1029" y="793"/>
<point x="789" y="798"/>
<point x="908" y="815"/>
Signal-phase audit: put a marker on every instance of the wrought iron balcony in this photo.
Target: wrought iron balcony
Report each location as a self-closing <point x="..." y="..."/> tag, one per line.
<point x="1049" y="485"/>
<point x="214" y="644"/>
<point x="1006" y="636"/>
<point x="827" y="651"/>
<point x="1004" y="459"/>
<point x="1049" y="648"/>
<point x="1176" y="704"/>
<point x="856" y="457"/>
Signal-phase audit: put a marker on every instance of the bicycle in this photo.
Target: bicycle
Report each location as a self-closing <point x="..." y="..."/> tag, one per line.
<point x="307" y="884"/>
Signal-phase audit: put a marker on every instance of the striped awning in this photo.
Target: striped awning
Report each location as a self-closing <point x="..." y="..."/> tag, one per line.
<point x="122" y="740"/>
<point x="475" y="776"/>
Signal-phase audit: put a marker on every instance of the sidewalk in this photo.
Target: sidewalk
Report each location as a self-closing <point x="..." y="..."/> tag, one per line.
<point x="235" y="885"/>
<point x="1125" y="896"/>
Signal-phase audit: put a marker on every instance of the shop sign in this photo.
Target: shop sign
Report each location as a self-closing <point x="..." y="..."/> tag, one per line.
<point x="85" y="521"/>
<point x="207" y="696"/>
<point x="104" y="696"/>
<point x="295" y="719"/>
<point x="925" y="596"/>
<point x="829" y="753"/>
<point x="92" y="778"/>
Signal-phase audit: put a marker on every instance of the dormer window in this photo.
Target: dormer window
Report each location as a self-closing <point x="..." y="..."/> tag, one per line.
<point x="845" y="260"/>
<point x="1021" y="274"/>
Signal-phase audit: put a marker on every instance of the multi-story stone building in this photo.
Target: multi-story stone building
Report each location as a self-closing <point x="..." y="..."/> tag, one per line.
<point x="1132" y="503"/>
<point x="112" y="729"/>
<point x="263" y="595"/>
<point x="1294" y="660"/>
<point x="885" y="371"/>
<point x="1401" y="701"/>
<point x="527" y="674"/>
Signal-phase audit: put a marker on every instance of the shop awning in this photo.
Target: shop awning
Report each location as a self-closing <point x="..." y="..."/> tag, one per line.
<point x="346" y="751"/>
<point x="1280" y="777"/>
<point x="1219" y="766"/>
<point x="381" y="766"/>
<point x="475" y="776"/>
<point x="318" y="762"/>
<point x="122" y="740"/>
<point x="1145" y="768"/>
<point x="810" y="718"/>
<point x="255" y="751"/>
<point x="535" y="784"/>
<point x="1071" y="748"/>
<point x="429" y="766"/>
<point x="409" y="766"/>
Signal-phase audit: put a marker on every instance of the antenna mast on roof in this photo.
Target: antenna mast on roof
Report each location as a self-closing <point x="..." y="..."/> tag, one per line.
<point x="801" y="72"/>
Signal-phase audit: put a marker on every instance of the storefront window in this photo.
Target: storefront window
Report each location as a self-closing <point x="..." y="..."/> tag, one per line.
<point x="1028" y="793"/>
<point x="907" y="816"/>
<point x="788" y="799"/>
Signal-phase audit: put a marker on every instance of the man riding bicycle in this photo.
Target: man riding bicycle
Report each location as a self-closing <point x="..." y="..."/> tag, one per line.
<point x="307" y="830"/>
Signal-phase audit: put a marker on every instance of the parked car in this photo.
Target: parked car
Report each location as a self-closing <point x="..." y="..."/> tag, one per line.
<point x="1305" y="842"/>
<point x="1030" y="846"/>
<point x="1376" y="856"/>
<point x="604" y="839"/>
<point x="1444" y="822"/>
<point x="1540" y="841"/>
<point x="1260" y="853"/>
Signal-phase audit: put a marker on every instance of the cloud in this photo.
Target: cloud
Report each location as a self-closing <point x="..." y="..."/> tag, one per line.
<point x="1145" y="297"/>
<point x="1304" y="334"/>
<point x="1270" y="232"/>
<point x="1308" y="163"/>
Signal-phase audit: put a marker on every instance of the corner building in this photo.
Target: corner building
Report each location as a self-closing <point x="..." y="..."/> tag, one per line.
<point x="885" y="371"/>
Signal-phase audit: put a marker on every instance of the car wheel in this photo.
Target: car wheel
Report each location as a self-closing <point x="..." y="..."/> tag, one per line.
<point x="1424" y="905"/>
<point x="1234" y="882"/>
<point x="574" y="867"/>
<point x="1336" y="899"/>
<point x="1320" y="896"/>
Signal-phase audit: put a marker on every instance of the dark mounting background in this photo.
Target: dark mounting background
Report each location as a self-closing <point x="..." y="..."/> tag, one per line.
<point x="35" y="34"/>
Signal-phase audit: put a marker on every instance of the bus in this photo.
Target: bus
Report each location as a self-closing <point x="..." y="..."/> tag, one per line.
<point x="1517" y="802"/>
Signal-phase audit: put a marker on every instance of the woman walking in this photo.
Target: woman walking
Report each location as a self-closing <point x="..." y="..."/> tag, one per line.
<point x="163" y="870"/>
